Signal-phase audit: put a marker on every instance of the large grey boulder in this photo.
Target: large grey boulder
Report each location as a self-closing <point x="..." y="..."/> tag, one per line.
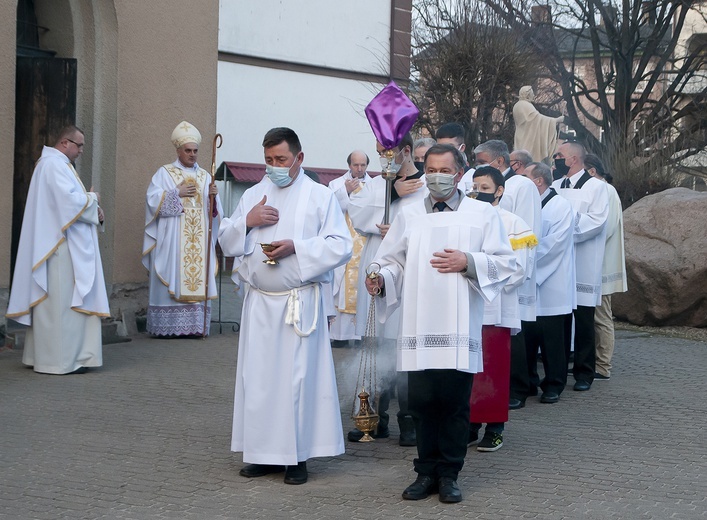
<point x="666" y="260"/>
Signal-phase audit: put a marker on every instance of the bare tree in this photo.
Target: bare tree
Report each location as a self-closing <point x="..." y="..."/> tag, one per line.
<point x="466" y="68"/>
<point x="627" y="69"/>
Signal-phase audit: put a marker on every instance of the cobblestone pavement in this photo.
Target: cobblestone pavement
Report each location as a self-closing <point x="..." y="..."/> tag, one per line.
<point x="147" y="437"/>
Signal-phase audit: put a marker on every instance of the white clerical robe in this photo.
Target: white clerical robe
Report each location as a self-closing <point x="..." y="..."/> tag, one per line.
<point x="591" y="206"/>
<point x="504" y="311"/>
<point x="174" y="251"/>
<point x="338" y="186"/>
<point x="442" y="313"/>
<point x="613" y="269"/>
<point x="554" y="259"/>
<point x="366" y="209"/>
<point x="58" y="287"/>
<point x="286" y="407"/>
<point x="520" y="197"/>
<point x="345" y="284"/>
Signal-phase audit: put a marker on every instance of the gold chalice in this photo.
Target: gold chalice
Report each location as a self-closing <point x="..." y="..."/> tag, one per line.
<point x="269" y="248"/>
<point x="472" y="191"/>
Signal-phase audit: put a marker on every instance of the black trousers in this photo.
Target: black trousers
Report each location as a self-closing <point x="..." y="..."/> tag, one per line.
<point x="439" y="405"/>
<point x="548" y="334"/>
<point x="520" y="384"/>
<point x="397" y="385"/>
<point x="584" y="347"/>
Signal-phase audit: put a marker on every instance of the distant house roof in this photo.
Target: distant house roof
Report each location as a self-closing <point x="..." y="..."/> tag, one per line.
<point x="570" y="42"/>
<point x="578" y="42"/>
<point x="254" y="172"/>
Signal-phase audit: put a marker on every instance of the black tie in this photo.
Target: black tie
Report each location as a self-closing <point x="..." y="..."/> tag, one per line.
<point x="565" y="183"/>
<point x="440" y="206"/>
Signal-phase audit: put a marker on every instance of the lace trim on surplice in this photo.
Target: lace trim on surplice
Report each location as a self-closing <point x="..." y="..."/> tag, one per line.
<point x="439" y="341"/>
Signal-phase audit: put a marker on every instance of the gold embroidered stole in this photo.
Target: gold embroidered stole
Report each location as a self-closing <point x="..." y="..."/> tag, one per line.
<point x="192" y="237"/>
<point x="350" y="283"/>
<point x="76" y="174"/>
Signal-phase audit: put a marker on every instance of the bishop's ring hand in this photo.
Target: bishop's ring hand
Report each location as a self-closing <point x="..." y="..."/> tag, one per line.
<point x="373" y="272"/>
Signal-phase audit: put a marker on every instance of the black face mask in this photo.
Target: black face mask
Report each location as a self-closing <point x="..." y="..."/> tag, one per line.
<point x="420" y="166"/>
<point x="561" y="169"/>
<point x="486" y="197"/>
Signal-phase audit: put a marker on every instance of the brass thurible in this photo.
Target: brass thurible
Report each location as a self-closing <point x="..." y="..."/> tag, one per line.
<point x="366" y="419"/>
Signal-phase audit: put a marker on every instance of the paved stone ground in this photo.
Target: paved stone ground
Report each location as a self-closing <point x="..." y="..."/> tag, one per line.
<point x="147" y="437"/>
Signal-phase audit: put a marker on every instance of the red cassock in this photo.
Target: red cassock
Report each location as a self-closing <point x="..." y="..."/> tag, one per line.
<point x="491" y="389"/>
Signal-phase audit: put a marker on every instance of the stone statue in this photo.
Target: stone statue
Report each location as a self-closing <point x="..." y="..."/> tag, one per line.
<point x="534" y="132"/>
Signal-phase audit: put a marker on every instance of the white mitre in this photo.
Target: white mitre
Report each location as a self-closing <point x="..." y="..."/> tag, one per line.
<point x="185" y="133"/>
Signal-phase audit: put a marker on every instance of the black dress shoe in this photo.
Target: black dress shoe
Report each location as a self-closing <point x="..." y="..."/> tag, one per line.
<point x="582" y="386"/>
<point x="80" y="370"/>
<point x="549" y="397"/>
<point x="408" y="439"/>
<point x="423" y="487"/>
<point x="259" y="470"/>
<point x="449" y="490"/>
<point x="515" y="404"/>
<point x="296" y="475"/>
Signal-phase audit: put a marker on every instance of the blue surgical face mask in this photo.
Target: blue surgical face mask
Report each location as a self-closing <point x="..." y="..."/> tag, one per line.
<point x="279" y="175"/>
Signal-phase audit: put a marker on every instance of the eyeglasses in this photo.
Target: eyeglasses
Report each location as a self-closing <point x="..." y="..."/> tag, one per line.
<point x="78" y="145"/>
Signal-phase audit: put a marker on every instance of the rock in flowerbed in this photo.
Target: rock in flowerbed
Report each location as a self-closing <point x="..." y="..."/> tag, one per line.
<point x="666" y="260"/>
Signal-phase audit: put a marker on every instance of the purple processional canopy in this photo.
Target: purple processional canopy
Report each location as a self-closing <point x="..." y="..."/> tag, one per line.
<point x="391" y="115"/>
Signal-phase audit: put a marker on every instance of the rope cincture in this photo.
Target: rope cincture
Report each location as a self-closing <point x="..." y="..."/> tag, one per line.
<point x="293" y="315"/>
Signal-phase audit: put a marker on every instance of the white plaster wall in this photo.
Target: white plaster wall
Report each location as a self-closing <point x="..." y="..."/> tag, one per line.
<point x="325" y="112"/>
<point x="343" y="35"/>
<point x="694" y="24"/>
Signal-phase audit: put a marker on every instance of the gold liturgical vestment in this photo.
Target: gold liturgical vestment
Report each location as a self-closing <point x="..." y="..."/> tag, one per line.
<point x="192" y="237"/>
<point x="350" y="281"/>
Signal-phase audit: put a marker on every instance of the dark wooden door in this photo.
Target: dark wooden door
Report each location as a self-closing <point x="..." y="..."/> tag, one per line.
<point x="45" y="102"/>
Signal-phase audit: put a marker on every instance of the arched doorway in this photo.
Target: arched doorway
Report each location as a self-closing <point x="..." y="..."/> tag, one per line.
<point x="65" y="74"/>
<point x="45" y="101"/>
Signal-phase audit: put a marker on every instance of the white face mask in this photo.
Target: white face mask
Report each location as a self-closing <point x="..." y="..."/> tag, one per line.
<point x="440" y="185"/>
<point x="279" y="175"/>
